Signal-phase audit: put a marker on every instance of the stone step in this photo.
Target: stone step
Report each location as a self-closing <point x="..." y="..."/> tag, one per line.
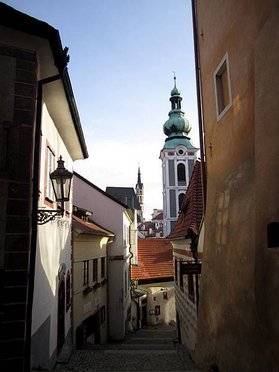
<point x="141" y="346"/>
<point x="148" y="340"/>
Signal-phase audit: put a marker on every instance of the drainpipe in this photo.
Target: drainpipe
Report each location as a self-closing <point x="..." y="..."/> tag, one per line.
<point x="199" y="101"/>
<point x="34" y="227"/>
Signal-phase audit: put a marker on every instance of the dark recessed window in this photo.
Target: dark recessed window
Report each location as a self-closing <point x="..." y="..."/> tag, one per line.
<point x="273" y="235"/>
<point x="191" y="291"/>
<point x="181" y="174"/>
<point x="222" y="87"/>
<point x="95" y="270"/>
<point x="85" y="272"/>
<point x="103" y="267"/>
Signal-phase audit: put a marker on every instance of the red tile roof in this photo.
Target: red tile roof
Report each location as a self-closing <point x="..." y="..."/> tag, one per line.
<point x="155" y="259"/>
<point x="190" y="217"/>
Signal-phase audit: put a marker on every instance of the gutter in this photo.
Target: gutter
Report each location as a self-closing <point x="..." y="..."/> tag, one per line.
<point x="199" y="101"/>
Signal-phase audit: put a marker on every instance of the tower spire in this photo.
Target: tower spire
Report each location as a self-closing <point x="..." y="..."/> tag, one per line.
<point x="174" y="78"/>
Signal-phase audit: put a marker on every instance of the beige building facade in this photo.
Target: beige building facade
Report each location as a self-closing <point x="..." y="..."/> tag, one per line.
<point x="238" y="51"/>
<point x="90" y="246"/>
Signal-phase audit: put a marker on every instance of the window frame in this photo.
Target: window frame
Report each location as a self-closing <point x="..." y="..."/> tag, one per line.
<point x="218" y="87"/>
<point x="49" y="195"/>
<point x="85" y="272"/>
<point x="103" y="267"/>
<point x="95" y="270"/>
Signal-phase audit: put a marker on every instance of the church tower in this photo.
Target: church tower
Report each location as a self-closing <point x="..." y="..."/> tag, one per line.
<point x="140" y="193"/>
<point x="178" y="157"/>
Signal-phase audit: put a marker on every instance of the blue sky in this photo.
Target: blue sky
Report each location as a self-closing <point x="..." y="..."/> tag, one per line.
<point x="122" y="54"/>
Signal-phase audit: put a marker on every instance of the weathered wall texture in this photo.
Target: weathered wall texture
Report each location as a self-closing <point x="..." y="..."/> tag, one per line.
<point x="18" y="80"/>
<point x="237" y="322"/>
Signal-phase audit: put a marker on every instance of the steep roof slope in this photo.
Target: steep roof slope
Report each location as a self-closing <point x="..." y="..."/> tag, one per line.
<point x="125" y="195"/>
<point x="155" y="259"/>
<point x="189" y="220"/>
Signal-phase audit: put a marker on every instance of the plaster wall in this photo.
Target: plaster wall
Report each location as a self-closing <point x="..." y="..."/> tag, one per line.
<point x="113" y="217"/>
<point x="106" y="212"/>
<point x="53" y="247"/>
<point x="119" y="298"/>
<point x="155" y="297"/>
<point x="236" y="309"/>
<point x="86" y="305"/>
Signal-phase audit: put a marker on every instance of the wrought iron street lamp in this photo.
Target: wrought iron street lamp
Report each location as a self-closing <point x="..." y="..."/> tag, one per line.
<point x="61" y="182"/>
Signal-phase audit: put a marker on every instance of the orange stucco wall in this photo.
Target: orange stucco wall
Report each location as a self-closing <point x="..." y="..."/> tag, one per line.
<point x="237" y="322"/>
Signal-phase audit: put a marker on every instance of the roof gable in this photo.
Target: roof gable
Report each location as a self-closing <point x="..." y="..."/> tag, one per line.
<point x="155" y="259"/>
<point x="190" y="217"/>
<point x="125" y="195"/>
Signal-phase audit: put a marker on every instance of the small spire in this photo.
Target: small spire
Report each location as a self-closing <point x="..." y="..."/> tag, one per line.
<point x="174" y="78"/>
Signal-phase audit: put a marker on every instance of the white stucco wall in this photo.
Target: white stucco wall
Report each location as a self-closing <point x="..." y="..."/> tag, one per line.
<point x="54" y="245"/>
<point x="113" y="216"/>
<point x="155" y="297"/>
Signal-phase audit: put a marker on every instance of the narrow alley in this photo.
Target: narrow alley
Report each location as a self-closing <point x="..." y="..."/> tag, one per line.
<point x="150" y="349"/>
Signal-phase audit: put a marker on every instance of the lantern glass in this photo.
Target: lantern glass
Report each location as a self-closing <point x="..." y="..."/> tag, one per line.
<point x="61" y="182"/>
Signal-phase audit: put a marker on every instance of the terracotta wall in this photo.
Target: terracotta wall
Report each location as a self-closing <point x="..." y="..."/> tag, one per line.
<point x="237" y="326"/>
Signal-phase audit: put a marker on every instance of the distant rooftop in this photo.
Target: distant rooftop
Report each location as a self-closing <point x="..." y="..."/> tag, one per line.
<point x="125" y="195"/>
<point x="155" y="257"/>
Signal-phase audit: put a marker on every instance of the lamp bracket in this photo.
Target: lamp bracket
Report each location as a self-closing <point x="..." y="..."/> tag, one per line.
<point x="46" y="215"/>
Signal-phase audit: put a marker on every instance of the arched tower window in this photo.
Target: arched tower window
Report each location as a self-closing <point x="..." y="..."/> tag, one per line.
<point x="181" y="174"/>
<point x="273" y="235"/>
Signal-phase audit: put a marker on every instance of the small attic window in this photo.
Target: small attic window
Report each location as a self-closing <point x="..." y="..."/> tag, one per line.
<point x="273" y="235"/>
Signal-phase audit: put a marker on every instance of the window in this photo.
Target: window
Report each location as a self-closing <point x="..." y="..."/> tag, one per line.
<point x="95" y="270"/>
<point x="222" y="88"/>
<point x="50" y="167"/>
<point x="126" y="282"/>
<point x="126" y="235"/>
<point x="165" y="295"/>
<point x="181" y="283"/>
<point x="181" y="174"/>
<point x="103" y="267"/>
<point x="103" y="314"/>
<point x="191" y="292"/>
<point x="273" y="235"/>
<point x="85" y="272"/>
<point x="157" y="310"/>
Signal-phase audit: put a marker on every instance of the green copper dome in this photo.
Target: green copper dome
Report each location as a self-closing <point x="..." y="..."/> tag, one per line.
<point x="175" y="91"/>
<point x="176" y="125"/>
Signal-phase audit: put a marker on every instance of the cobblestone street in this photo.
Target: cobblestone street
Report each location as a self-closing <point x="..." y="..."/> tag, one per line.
<point x="149" y="349"/>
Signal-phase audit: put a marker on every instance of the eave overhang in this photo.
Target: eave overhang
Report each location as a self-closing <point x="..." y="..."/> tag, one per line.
<point x="22" y="31"/>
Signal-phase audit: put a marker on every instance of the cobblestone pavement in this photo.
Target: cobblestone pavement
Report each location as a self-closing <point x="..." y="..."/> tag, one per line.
<point x="148" y="349"/>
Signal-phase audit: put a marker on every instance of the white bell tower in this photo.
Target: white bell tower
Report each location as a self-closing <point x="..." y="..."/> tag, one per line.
<point x="178" y="158"/>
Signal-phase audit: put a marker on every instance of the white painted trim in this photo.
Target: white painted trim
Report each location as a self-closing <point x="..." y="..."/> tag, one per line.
<point x="229" y="105"/>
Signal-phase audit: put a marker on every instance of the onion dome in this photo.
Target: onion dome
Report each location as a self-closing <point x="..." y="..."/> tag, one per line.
<point x="177" y="125"/>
